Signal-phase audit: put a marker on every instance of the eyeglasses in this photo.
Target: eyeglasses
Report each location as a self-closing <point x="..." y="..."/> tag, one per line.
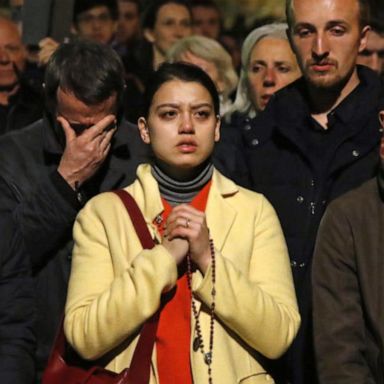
<point x="89" y="18"/>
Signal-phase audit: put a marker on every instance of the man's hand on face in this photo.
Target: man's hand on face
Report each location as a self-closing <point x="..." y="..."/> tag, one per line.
<point x="86" y="151"/>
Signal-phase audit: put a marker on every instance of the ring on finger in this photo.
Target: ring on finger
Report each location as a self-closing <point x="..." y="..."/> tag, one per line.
<point x="187" y="223"/>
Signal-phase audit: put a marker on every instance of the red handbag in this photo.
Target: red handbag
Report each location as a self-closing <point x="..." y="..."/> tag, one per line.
<point x="66" y="367"/>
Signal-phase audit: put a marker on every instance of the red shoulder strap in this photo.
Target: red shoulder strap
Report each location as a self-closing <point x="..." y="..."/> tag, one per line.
<point x="139" y="369"/>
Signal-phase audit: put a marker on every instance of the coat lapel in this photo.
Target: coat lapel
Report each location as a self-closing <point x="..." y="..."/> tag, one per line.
<point x="220" y="213"/>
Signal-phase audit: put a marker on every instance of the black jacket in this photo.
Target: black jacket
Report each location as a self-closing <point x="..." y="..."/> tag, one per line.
<point x="300" y="170"/>
<point x="41" y="207"/>
<point x="298" y="180"/>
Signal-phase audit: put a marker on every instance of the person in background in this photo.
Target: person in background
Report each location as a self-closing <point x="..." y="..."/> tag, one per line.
<point x="50" y="168"/>
<point x="207" y="19"/>
<point x="373" y="54"/>
<point x="232" y="43"/>
<point x="226" y="302"/>
<point x="21" y="98"/>
<point x="268" y="64"/>
<point x="95" y="20"/>
<point x="317" y="138"/>
<point x="164" y="23"/>
<point x="347" y="279"/>
<point x="128" y="27"/>
<point x="210" y="56"/>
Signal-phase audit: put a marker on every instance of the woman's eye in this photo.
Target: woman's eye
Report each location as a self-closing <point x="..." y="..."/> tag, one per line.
<point x="167" y="114"/>
<point x="256" y="68"/>
<point x="203" y="114"/>
<point x="169" y="23"/>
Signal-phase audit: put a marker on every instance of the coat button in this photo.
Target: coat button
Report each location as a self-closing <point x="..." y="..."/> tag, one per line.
<point x="255" y="142"/>
<point x="355" y="153"/>
<point x="293" y="264"/>
<point x="247" y="127"/>
<point x="300" y="199"/>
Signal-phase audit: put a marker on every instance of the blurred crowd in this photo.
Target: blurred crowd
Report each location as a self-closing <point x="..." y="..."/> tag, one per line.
<point x="145" y="35"/>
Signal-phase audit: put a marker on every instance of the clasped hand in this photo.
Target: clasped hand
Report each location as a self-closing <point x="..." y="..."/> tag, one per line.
<point x="187" y="231"/>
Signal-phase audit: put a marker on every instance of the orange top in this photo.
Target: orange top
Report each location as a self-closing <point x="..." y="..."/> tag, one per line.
<point x="174" y="329"/>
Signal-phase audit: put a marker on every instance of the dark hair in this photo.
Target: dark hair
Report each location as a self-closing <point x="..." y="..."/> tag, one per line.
<point x="91" y="71"/>
<point x="377" y="21"/>
<point x="81" y="6"/>
<point x="364" y="8"/>
<point x="179" y="71"/>
<point x="206" y="4"/>
<point x="150" y="12"/>
<point x="138" y="3"/>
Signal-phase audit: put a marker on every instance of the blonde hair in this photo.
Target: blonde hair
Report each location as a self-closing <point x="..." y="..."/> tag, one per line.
<point x="212" y="51"/>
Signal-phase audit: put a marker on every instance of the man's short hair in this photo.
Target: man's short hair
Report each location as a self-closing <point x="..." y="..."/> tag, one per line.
<point x="91" y="71"/>
<point x="81" y="6"/>
<point x="377" y="24"/>
<point x="364" y="17"/>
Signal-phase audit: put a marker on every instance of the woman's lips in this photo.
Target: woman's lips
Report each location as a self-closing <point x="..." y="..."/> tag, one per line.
<point x="265" y="99"/>
<point x="187" y="146"/>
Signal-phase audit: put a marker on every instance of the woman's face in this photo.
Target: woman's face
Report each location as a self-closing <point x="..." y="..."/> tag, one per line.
<point x="173" y="22"/>
<point x="181" y="126"/>
<point x="272" y="65"/>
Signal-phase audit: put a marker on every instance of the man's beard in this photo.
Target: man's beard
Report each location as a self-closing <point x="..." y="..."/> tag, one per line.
<point x="332" y="82"/>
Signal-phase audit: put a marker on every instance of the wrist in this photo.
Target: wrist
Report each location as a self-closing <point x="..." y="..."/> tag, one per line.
<point x="68" y="177"/>
<point x="204" y="261"/>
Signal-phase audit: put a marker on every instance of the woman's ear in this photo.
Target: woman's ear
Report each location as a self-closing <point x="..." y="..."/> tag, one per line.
<point x="217" y="128"/>
<point x="143" y="128"/>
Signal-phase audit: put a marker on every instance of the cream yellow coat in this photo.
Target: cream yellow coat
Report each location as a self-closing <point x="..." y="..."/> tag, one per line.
<point x="115" y="285"/>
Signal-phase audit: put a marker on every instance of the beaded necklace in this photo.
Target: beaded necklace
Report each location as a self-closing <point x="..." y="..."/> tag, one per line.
<point x="206" y="355"/>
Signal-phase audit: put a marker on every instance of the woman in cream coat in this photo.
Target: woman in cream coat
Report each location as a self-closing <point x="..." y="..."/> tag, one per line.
<point x="115" y="285"/>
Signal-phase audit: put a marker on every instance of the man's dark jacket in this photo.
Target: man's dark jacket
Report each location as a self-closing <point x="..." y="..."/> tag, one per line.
<point x="348" y="287"/>
<point x="285" y="163"/>
<point x="38" y="209"/>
